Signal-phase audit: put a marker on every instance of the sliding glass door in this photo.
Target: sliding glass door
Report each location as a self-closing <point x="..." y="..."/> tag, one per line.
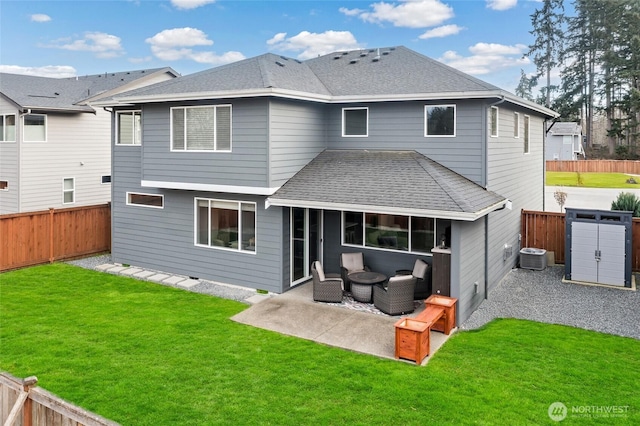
<point x="306" y="242"/>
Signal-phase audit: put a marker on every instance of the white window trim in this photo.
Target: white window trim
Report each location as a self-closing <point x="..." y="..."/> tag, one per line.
<point x="516" y="125"/>
<point x="133" y="111"/>
<point x="6" y="188"/>
<point x="128" y="203"/>
<point x="365" y="246"/>
<point x="527" y="130"/>
<point x="233" y="250"/>
<point x="215" y="129"/>
<point x="366" y="135"/>
<point x="497" y="110"/>
<point x="73" y="191"/>
<point x="46" y="129"/>
<point x="4" y="120"/>
<point x="105" y="183"/>
<point x="455" y="121"/>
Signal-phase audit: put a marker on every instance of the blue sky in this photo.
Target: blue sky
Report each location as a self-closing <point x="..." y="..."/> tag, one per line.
<point x="485" y="38"/>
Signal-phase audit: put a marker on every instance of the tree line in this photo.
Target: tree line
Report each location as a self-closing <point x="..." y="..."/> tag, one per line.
<point x="597" y="54"/>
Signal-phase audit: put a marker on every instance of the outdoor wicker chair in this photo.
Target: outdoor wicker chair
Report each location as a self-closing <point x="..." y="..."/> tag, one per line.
<point x="350" y="263"/>
<point x="422" y="272"/>
<point x="325" y="288"/>
<point x="397" y="297"/>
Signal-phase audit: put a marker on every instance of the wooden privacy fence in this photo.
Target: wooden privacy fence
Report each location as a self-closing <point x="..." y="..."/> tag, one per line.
<point x="46" y="236"/>
<point x="598" y="166"/>
<point x="24" y="404"/>
<point x="546" y="230"/>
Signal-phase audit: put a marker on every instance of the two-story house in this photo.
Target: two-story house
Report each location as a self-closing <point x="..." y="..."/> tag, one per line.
<point x="54" y="146"/>
<point x="248" y="172"/>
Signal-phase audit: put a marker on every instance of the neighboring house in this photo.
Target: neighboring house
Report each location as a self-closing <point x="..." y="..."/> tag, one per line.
<point x="250" y="171"/>
<point x="54" y="146"/>
<point x="564" y="142"/>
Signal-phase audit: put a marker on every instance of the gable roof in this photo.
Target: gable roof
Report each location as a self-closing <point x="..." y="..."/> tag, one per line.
<point x="389" y="182"/>
<point x="363" y="75"/>
<point x="68" y="94"/>
<point x="566" y="128"/>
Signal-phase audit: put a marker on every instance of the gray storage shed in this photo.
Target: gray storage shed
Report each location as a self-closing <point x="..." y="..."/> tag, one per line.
<point x="598" y="246"/>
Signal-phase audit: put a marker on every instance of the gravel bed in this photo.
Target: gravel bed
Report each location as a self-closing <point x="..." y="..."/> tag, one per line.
<point x="224" y="291"/>
<point x="542" y="296"/>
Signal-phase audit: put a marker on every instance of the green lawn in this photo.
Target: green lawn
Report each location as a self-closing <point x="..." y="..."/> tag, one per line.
<point x="141" y="353"/>
<point x="591" y="180"/>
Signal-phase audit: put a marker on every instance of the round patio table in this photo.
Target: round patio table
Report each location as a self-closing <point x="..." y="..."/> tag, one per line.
<point x="362" y="284"/>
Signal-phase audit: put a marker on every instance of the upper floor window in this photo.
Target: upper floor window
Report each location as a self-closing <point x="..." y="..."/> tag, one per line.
<point x="526" y="134"/>
<point x="202" y="128"/>
<point x="35" y="127"/>
<point x="493" y="118"/>
<point x="516" y="125"/>
<point x="68" y="190"/>
<point x="8" y="128"/>
<point x="440" y="120"/>
<point x="128" y="128"/>
<point x="355" y="122"/>
<point x="226" y="224"/>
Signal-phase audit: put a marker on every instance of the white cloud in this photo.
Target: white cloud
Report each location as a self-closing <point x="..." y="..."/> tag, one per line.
<point x="311" y="45"/>
<point x="443" y="31"/>
<point x="487" y="58"/>
<point x="40" y="17"/>
<point x="55" y="71"/>
<point x="190" y="4"/>
<point x="407" y="13"/>
<point x="175" y="44"/>
<point x="501" y="4"/>
<point x="140" y="60"/>
<point x="102" y="44"/>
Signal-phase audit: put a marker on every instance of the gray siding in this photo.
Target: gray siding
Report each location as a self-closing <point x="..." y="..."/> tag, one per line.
<point x="77" y="146"/>
<point x="246" y="165"/>
<point x="163" y="239"/>
<point x="518" y="177"/>
<point x="400" y="126"/>
<point x="467" y="266"/>
<point x="297" y="135"/>
<point x="10" y="165"/>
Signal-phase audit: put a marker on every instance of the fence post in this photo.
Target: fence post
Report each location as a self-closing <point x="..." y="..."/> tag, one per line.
<point x="51" y="235"/>
<point x="27" y="411"/>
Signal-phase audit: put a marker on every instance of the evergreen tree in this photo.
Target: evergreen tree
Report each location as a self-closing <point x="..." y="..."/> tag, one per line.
<point x="526" y="85"/>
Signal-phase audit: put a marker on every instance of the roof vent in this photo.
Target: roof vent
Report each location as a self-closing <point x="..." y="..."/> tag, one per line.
<point x="337" y="57"/>
<point x="386" y="52"/>
<point x="392" y="48"/>
<point x="298" y="61"/>
<point x="354" y="61"/>
<point x="376" y="58"/>
<point x="345" y="53"/>
<point x="363" y="54"/>
<point x="284" y="57"/>
<point x="279" y="63"/>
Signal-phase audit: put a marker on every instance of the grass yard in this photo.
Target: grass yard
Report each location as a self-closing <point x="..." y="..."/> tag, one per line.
<point x="591" y="180"/>
<point x="143" y="354"/>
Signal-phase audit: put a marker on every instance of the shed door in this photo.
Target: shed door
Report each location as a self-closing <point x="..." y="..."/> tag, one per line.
<point x="611" y="245"/>
<point x="584" y="245"/>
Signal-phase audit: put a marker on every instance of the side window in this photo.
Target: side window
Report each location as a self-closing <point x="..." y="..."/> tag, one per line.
<point x="129" y="130"/>
<point x="68" y="191"/>
<point x="516" y="125"/>
<point x="206" y="128"/>
<point x="145" y="200"/>
<point x="493" y="118"/>
<point x="355" y="122"/>
<point x="34" y="127"/>
<point x="526" y="134"/>
<point x="7" y="128"/>
<point x="440" y="120"/>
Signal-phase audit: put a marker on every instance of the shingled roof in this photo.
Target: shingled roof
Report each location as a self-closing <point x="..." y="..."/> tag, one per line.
<point x="391" y="182"/>
<point x="66" y="94"/>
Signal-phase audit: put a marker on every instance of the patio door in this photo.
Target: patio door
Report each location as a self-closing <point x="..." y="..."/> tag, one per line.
<point x="306" y="242"/>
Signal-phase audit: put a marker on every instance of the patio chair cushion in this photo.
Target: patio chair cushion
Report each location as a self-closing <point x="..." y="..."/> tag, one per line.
<point x="320" y="271"/>
<point x="420" y="269"/>
<point x="353" y="262"/>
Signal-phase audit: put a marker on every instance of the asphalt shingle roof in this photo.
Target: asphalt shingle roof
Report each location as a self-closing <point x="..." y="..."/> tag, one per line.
<point x="390" y="180"/>
<point x="566" y="128"/>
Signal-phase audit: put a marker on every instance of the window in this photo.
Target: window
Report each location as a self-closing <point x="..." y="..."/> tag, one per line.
<point x="201" y="128"/>
<point x="4" y="185"/>
<point x="393" y="232"/>
<point x="128" y="127"/>
<point x="494" y="121"/>
<point x="516" y="125"/>
<point x="440" y="120"/>
<point x="35" y="128"/>
<point x="145" y="200"/>
<point x="526" y="134"/>
<point x="106" y="179"/>
<point x="68" y="190"/>
<point x="355" y="122"/>
<point x="7" y="128"/>
<point x="226" y="224"/>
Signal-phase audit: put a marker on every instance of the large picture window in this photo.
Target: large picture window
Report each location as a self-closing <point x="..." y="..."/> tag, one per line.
<point x="7" y="128"/>
<point x="393" y="232"/>
<point x="35" y="128"/>
<point x="440" y="120"/>
<point x="129" y="130"/>
<point x="226" y="224"/>
<point x="206" y="128"/>
<point x="355" y="122"/>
